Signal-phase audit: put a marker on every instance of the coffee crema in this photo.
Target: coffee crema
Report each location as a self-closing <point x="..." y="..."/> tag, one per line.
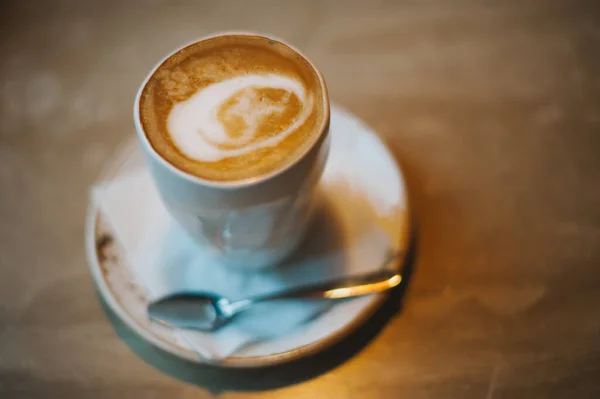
<point x="233" y="107"/>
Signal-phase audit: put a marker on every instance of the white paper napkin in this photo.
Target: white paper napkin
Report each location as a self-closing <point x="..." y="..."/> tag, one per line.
<point x="345" y="239"/>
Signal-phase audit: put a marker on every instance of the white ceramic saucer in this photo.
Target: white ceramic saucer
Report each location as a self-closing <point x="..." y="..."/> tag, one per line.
<point x="364" y="186"/>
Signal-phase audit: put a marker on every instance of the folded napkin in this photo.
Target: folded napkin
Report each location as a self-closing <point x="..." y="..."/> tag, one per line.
<point x="344" y="239"/>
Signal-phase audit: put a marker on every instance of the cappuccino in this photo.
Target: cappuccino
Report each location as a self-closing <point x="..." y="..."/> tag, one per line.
<point x="233" y="107"/>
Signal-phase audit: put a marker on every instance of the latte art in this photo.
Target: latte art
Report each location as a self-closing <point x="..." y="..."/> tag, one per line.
<point x="233" y="107"/>
<point x="205" y="130"/>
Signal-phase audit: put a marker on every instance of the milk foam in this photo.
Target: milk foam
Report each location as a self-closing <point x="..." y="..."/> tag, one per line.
<point x="196" y="130"/>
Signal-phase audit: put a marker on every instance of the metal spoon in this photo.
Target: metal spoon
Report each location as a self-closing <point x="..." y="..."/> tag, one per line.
<point x="206" y="311"/>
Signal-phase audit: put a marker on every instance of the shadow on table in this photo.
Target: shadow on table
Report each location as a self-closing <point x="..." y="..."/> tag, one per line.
<point x="217" y="379"/>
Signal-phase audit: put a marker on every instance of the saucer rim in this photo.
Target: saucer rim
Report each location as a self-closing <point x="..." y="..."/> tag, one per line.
<point x="95" y="217"/>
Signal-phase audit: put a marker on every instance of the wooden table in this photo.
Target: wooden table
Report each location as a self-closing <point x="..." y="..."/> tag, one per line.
<point x="492" y="108"/>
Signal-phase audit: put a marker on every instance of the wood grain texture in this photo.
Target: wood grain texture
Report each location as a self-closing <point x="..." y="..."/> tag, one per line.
<point x="492" y="108"/>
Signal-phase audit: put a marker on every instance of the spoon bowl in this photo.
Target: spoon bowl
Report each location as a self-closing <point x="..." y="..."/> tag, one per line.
<point x="190" y="310"/>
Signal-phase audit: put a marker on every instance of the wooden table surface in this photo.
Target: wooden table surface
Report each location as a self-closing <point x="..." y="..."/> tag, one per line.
<point x="493" y="110"/>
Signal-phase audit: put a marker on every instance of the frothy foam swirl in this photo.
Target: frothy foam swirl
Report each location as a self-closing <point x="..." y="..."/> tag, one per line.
<point x="197" y="128"/>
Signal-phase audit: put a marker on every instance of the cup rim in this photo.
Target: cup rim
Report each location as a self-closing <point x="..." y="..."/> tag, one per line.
<point x="250" y="181"/>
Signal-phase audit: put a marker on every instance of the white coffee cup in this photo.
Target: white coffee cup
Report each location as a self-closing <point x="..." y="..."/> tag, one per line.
<point x="253" y="223"/>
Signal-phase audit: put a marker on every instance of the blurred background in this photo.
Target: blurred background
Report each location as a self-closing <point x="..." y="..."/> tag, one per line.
<point x="492" y="109"/>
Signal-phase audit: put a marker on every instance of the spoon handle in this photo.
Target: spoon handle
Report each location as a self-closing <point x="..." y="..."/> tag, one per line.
<point x="346" y="287"/>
